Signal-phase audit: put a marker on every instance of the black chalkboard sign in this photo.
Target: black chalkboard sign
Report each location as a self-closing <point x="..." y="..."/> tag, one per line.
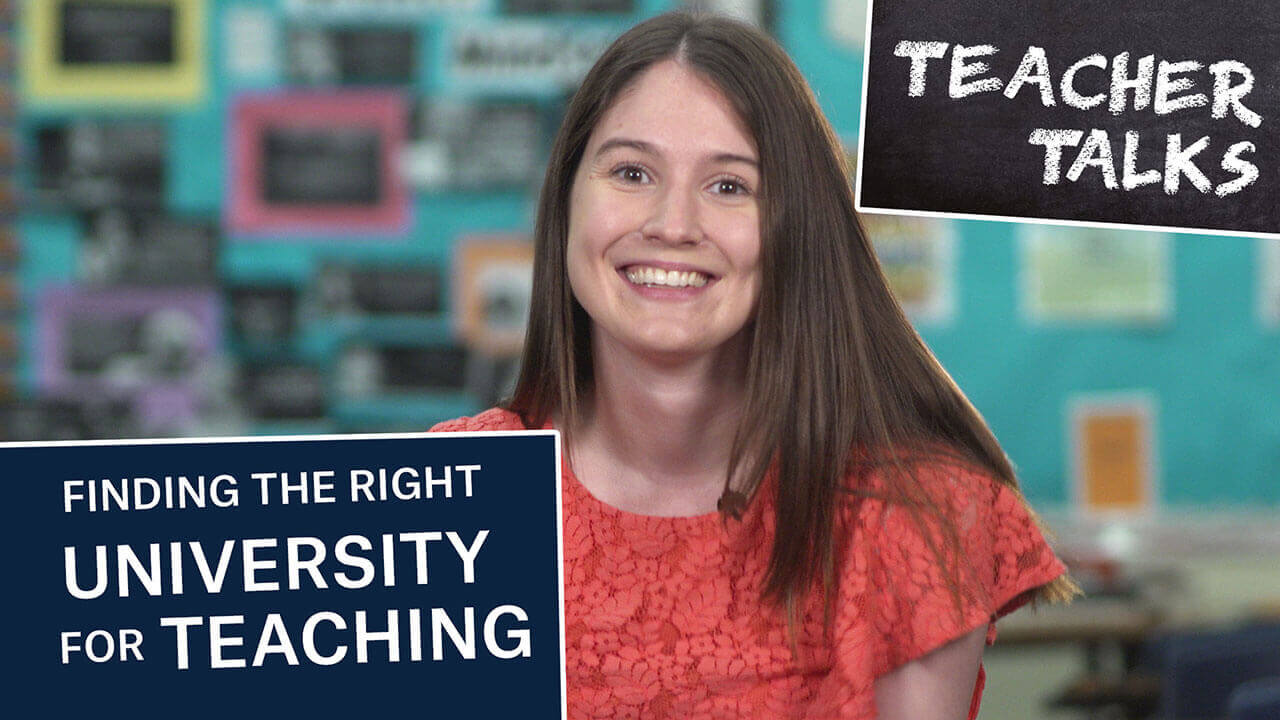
<point x="263" y="314"/>
<point x="1145" y="112"/>
<point x="122" y="247"/>
<point x="91" y="164"/>
<point x="375" y="290"/>
<point x="88" y="416"/>
<point x="352" y="56"/>
<point x="322" y="166"/>
<point x="283" y="391"/>
<point x="131" y="33"/>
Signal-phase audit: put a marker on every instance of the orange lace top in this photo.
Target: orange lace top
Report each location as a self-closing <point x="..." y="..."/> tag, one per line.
<point x="663" y="617"/>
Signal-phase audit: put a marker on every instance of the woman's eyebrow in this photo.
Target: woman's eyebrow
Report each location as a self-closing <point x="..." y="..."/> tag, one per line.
<point x="650" y="149"/>
<point x="612" y="143"/>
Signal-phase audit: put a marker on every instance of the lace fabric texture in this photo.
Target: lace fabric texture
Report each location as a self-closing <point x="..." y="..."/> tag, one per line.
<point x="663" y="617"/>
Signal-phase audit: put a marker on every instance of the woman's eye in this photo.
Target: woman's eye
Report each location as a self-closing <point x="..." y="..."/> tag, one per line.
<point x="631" y="173"/>
<point x="730" y="187"/>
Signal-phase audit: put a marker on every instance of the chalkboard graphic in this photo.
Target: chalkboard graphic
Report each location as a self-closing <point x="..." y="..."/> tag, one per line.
<point x="318" y="163"/>
<point x="115" y="51"/>
<point x="1152" y="113"/>
<point x="311" y="576"/>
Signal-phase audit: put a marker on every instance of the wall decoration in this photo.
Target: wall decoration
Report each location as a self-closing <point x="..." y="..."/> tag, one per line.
<point x="846" y="23"/>
<point x="1113" y="453"/>
<point x="352" y="56"/>
<point x="379" y="10"/>
<point x="283" y="391"/>
<point x="367" y="370"/>
<point x="116" y="52"/>
<point x="251" y="40"/>
<point x="1085" y="274"/>
<point x="755" y="12"/>
<point x="520" y="56"/>
<point x="147" y="345"/>
<point x="918" y="258"/>
<point x="369" y="289"/>
<point x="89" y="163"/>
<point x="476" y="145"/>
<point x="75" y="417"/>
<point x="307" y="163"/>
<point x="493" y="280"/>
<point x="542" y="7"/>
<point x="121" y="247"/>
<point x="262" y="315"/>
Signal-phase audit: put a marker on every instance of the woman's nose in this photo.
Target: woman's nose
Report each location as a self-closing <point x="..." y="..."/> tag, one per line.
<point x="674" y="218"/>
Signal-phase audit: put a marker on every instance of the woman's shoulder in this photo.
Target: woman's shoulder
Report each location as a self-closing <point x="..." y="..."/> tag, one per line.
<point x="936" y="478"/>
<point x="491" y="419"/>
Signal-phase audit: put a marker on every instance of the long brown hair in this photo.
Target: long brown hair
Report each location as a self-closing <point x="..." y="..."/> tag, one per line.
<point x="833" y="364"/>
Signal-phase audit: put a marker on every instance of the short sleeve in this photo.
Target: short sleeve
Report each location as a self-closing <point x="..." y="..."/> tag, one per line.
<point x="491" y="419"/>
<point x="912" y="603"/>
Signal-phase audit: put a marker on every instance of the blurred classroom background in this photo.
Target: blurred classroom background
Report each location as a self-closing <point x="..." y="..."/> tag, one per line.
<point x="236" y="217"/>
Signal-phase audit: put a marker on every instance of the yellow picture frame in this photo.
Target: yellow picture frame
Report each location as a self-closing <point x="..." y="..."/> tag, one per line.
<point x="46" y="79"/>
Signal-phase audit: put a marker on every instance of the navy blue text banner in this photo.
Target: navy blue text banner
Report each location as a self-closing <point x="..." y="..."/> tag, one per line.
<point x="345" y="576"/>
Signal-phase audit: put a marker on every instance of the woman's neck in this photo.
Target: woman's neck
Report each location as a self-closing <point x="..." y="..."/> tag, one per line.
<point x="657" y="436"/>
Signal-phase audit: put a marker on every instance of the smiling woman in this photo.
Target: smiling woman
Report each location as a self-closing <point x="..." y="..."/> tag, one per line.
<point x="777" y="503"/>
<point x="664" y="228"/>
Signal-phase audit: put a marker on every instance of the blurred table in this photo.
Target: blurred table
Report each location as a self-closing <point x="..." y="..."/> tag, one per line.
<point x="1103" y="628"/>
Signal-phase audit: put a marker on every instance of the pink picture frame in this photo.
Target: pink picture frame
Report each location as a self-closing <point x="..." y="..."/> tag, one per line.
<point x="253" y="116"/>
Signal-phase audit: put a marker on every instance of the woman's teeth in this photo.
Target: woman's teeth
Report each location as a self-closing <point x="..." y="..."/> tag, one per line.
<point x="666" y="278"/>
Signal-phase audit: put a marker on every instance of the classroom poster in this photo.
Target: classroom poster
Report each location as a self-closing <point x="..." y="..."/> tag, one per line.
<point x="251" y="40"/>
<point x="493" y="281"/>
<point x="846" y="23"/>
<point x="1112" y="451"/>
<point x="1083" y="274"/>
<point x="519" y="56"/>
<point x="918" y="258"/>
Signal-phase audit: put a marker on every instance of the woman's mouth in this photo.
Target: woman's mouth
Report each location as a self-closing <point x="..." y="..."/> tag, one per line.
<point x="659" y="277"/>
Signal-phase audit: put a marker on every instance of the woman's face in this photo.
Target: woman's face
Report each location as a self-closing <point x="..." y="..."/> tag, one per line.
<point x="664" y="231"/>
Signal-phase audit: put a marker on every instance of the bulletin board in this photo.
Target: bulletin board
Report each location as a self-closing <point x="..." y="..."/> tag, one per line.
<point x="318" y="304"/>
